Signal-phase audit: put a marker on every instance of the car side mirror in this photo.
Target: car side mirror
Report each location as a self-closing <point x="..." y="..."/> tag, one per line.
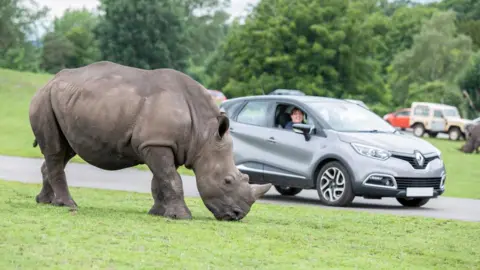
<point x="305" y="129"/>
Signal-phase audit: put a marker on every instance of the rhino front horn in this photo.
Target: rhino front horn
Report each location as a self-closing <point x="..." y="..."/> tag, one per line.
<point x="260" y="190"/>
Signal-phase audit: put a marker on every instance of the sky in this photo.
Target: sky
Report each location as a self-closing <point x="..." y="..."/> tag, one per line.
<point x="57" y="7"/>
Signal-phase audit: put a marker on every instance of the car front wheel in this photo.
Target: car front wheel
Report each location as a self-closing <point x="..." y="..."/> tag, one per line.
<point x="288" y="191"/>
<point x="418" y="130"/>
<point x="416" y="202"/>
<point x="454" y="134"/>
<point x="334" y="185"/>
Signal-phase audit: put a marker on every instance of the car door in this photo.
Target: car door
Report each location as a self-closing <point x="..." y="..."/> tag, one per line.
<point x="402" y="119"/>
<point x="288" y="156"/>
<point x="249" y="131"/>
<point x="438" y="121"/>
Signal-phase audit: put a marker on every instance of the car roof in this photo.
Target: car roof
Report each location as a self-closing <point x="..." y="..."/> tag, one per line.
<point x="303" y="99"/>
<point x="434" y="105"/>
<point x="286" y="90"/>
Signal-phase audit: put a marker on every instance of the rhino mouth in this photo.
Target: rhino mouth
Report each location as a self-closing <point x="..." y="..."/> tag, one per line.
<point x="233" y="214"/>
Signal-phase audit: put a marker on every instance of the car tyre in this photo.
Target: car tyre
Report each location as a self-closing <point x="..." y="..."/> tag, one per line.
<point x="334" y="177"/>
<point x="415" y="202"/>
<point x="288" y="191"/>
<point x="418" y="130"/>
<point x="454" y="134"/>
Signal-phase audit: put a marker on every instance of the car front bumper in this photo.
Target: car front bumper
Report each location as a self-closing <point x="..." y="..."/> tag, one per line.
<point x="397" y="177"/>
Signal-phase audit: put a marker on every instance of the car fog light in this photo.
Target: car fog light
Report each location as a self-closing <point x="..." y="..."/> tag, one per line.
<point x="381" y="180"/>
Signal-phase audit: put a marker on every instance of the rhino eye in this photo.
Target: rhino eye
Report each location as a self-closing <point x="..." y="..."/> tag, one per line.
<point x="228" y="180"/>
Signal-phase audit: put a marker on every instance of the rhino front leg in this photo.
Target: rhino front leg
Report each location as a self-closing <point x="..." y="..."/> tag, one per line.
<point x="167" y="187"/>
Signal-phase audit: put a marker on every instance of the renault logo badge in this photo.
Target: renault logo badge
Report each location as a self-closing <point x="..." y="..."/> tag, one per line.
<point x="419" y="158"/>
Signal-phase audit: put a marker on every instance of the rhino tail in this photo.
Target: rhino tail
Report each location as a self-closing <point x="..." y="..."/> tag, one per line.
<point x="35" y="143"/>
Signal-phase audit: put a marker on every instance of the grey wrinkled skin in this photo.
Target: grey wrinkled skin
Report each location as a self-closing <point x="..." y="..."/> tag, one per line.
<point x="115" y="117"/>
<point x="473" y="142"/>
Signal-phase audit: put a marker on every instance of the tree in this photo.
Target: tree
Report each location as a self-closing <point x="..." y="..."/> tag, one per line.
<point x="57" y="50"/>
<point x="468" y="17"/>
<point x="469" y="81"/>
<point x="465" y="9"/>
<point x="436" y="58"/>
<point x="17" y="26"/>
<point x="71" y="43"/>
<point x="405" y="22"/>
<point x="322" y="47"/>
<point x="207" y="27"/>
<point x="144" y="33"/>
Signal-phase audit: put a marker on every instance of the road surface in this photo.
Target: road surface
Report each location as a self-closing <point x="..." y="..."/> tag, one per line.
<point x="27" y="170"/>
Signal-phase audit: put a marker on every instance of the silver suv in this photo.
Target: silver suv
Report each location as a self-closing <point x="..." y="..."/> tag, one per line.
<point x="340" y="149"/>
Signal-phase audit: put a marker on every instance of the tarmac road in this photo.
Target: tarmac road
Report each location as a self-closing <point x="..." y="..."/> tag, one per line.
<point x="27" y="170"/>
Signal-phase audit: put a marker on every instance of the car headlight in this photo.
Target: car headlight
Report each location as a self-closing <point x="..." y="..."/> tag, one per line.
<point x="370" y="151"/>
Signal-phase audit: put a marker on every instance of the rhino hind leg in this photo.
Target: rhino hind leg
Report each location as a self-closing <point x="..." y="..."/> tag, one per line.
<point x="166" y="187"/>
<point x="58" y="181"/>
<point x="56" y="151"/>
<point x="47" y="195"/>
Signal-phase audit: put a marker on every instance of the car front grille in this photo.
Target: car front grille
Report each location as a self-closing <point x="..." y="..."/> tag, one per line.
<point x="404" y="182"/>
<point x="413" y="162"/>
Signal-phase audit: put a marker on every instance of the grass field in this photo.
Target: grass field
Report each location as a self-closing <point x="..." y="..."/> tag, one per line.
<point x="463" y="170"/>
<point x="112" y="230"/>
<point x="16" y="136"/>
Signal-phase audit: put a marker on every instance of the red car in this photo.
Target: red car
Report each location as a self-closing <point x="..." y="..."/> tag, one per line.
<point x="399" y="119"/>
<point x="217" y="96"/>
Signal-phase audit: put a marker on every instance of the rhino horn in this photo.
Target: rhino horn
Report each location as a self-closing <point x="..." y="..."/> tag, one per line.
<point x="260" y="190"/>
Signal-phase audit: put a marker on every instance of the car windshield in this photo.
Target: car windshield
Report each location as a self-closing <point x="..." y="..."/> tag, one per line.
<point x="349" y="117"/>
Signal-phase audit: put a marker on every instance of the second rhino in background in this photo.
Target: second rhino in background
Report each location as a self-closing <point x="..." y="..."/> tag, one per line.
<point x="473" y="142"/>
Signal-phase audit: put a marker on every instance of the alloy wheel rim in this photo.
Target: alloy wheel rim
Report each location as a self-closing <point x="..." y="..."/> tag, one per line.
<point x="332" y="184"/>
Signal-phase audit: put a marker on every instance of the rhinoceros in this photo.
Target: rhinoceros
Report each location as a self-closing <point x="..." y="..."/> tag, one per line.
<point x="115" y="116"/>
<point x="473" y="141"/>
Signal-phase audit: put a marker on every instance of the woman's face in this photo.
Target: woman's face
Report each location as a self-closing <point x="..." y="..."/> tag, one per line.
<point x="297" y="116"/>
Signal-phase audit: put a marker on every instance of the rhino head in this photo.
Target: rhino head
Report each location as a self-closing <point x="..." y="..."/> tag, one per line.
<point x="225" y="191"/>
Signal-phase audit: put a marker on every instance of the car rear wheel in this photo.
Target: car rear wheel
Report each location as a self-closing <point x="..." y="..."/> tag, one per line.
<point x="413" y="202"/>
<point x="288" y="191"/>
<point x="334" y="185"/>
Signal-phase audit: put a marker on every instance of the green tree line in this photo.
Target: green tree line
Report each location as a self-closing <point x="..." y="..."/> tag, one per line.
<point x="386" y="53"/>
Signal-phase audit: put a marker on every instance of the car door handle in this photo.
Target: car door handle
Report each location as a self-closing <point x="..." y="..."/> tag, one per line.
<point x="271" y="139"/>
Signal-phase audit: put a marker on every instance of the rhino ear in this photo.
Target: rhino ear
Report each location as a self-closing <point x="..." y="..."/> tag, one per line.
<point x="223" y="124"/>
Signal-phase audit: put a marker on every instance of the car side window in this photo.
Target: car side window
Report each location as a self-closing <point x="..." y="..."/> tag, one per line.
<point x="254" y="113"/>
<point x="229" y="110"/>
<point x="421" y="111"/>
<point x="437" y="114"/>
<point x="403" y="113"/>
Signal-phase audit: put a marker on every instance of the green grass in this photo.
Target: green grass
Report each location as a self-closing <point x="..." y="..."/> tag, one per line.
<point x="463" y="170"/>
<point x="16" y="137"/>
<point x="17" y="88"/>
<point x="112" y="230"/>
